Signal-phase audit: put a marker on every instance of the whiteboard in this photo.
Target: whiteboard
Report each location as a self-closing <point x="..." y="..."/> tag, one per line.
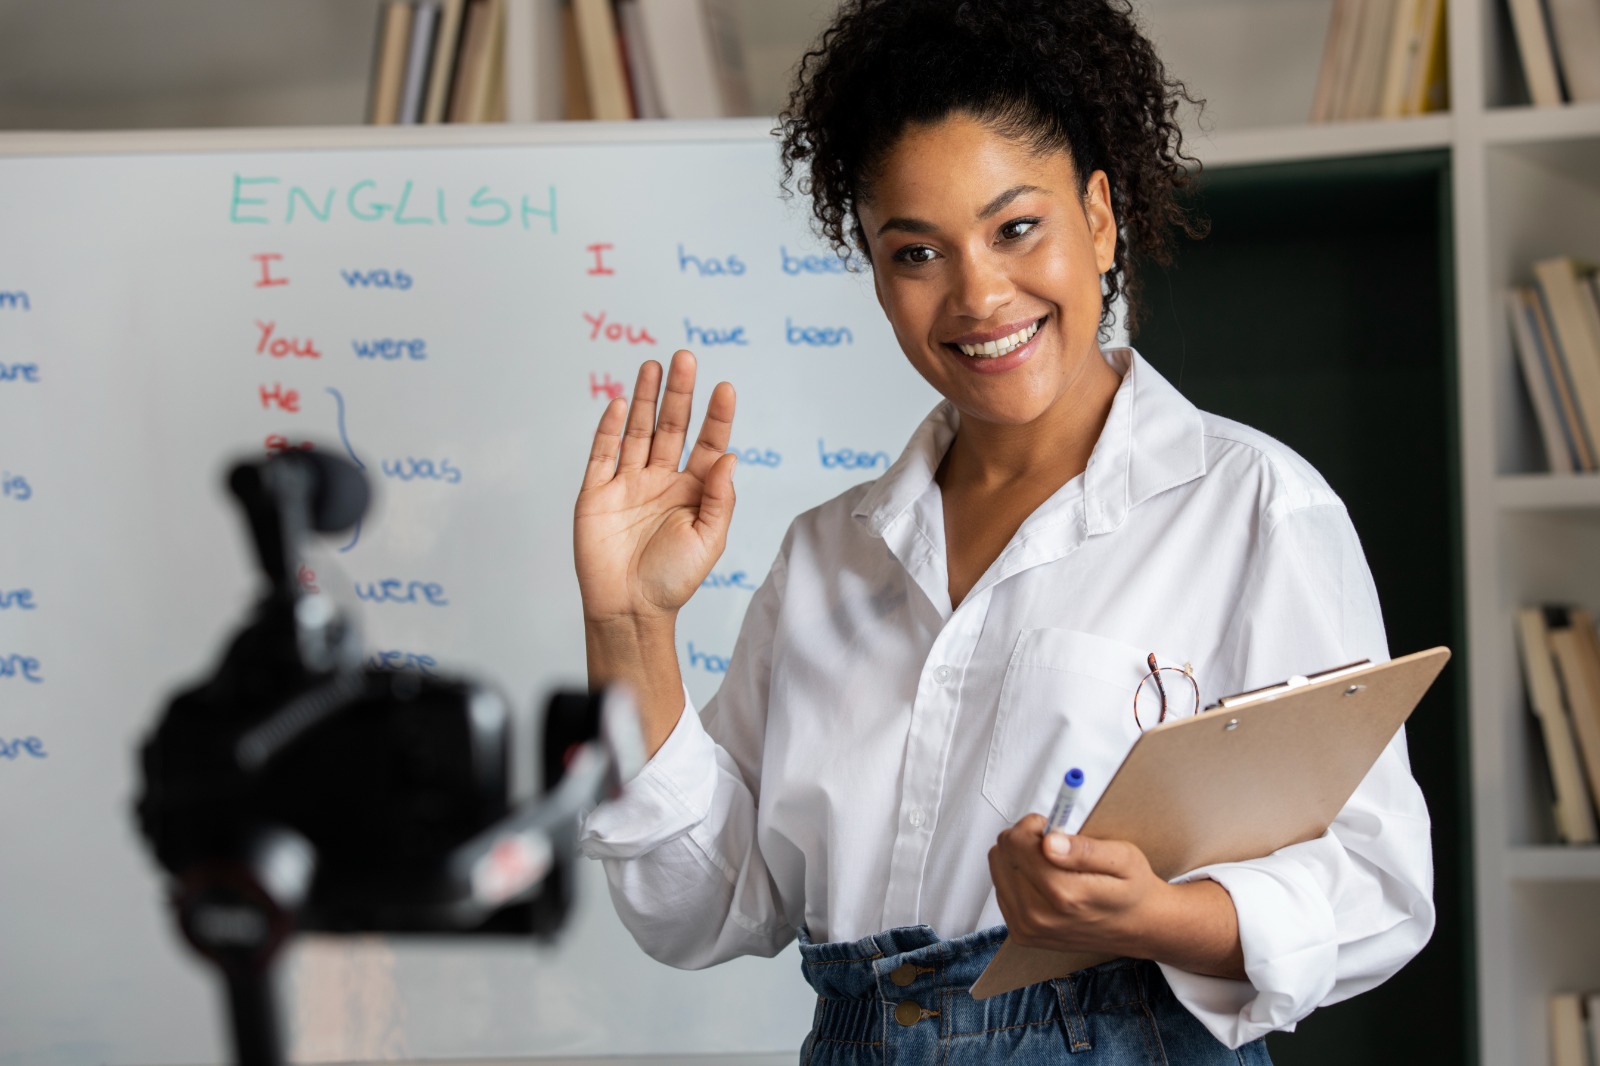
<point x="470" y="307"/>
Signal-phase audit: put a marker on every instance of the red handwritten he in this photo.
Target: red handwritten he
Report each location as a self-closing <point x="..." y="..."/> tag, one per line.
<point x="608" y="388"/>
<point x="285" y="399"/>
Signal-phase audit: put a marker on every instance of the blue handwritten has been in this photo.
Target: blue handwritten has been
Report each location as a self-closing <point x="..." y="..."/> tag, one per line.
<point x="264" y="200"/>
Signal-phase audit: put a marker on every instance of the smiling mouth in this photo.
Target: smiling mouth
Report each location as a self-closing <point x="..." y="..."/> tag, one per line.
<point x="997" y="348"/>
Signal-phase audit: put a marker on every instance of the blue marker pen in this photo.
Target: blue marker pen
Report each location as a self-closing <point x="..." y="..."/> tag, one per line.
<point x="1065" y="799"/>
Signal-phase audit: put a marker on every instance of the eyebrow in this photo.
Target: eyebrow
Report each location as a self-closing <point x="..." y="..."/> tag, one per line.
<point x="917" y="225"/>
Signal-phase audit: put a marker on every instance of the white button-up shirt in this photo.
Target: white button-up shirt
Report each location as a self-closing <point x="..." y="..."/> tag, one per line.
<point x="869" y="742"/>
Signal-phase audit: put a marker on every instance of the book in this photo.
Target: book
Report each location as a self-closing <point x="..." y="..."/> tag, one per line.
<point x="1532" y="30"/>
<point x="1575" y="325"/>
<point x="1405" y="42"/>
<point x="727" y="54"/>
<point x="1591" y="1010"/>
<point x="602" y="59"/>
<point x="446" y="45"/>
<point x="1570" y="633"/>
<point x="1575" y="28"/>
<point x="1569" y="1043"/>
<point x="694" y="57"/>
<point x="419" y="52"/>
<point x="575" y="103"/>
<point x="1584" y="453"/>
<point x="1574" y="814"/>
<point x="641" y="78"/>
<point x="389" y="64"/>
<point x="1538" y="375"/>
<point x="519" y="62"/>
<point x="1429" y="87"/>
<point x="1334" y="47"/>
<point x="471" y="98"/>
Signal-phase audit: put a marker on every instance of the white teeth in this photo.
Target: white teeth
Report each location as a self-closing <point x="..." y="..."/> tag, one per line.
<point x="1003" y="346"/>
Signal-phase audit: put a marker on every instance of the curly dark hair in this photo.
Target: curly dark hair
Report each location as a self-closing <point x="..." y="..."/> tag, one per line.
<point x="1053" y="74"/>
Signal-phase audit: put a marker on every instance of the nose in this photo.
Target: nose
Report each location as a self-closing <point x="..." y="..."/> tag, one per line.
<point x="981" y="285"/>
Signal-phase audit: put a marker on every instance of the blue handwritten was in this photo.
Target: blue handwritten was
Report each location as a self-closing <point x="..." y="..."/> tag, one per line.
<point x="377" y="279"/>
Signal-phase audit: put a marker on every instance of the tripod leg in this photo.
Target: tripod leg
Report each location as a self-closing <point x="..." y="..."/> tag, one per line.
<point x="253" y="1010"/>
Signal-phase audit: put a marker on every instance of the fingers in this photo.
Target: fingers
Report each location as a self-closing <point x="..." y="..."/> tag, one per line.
<point x="641" y="418"/>
<point x="607" y="440"/>
<point x="716" y="500"/>
<point x="715" y="431"/>
<point x="672" y="423"/>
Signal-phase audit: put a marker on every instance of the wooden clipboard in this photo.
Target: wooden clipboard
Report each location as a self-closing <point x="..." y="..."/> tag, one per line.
<point x="1258" y="772"/>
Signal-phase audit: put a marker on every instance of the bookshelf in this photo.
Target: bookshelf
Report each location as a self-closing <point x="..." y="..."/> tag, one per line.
<point x="1517" y="183"/>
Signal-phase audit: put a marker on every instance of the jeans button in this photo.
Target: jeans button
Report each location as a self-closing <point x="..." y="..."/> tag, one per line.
<point x="907" y="1013"/>
<point x="904" y="974"/>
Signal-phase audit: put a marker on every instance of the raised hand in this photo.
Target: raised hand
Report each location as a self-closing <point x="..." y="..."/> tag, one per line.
<point x="645" y="533"/>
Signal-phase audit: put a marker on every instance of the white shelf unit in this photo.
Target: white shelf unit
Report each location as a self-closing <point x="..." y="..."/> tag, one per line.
<point x="1525" y="184"/>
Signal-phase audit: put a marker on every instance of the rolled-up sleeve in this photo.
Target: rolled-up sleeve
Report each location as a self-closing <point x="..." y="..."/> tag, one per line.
<point x="1326" y="919"/>
<point x="680" y="845"/>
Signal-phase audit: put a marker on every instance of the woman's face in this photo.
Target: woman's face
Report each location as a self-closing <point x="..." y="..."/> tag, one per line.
<point x="988" y="262"/>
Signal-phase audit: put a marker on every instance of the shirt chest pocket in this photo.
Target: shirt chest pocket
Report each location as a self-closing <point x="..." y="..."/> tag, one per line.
<point x="1066" y="701"/>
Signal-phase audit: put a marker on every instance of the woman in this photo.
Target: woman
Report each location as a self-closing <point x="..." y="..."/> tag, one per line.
<point x="930" y="651"/>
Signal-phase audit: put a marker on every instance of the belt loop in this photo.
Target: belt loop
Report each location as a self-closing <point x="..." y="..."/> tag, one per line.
<point x="1072" y="1015"/>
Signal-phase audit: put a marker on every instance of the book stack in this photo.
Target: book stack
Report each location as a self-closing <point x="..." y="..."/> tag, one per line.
<point x="656" y="59"/>
<point x="439" y="61"/>
<point x="1382" y="59"/>
<point x="1559" y="44"/>
<point x="475" y="60"/>
<point x="1575" y="1029"/>
<point x="1561" y="669"/>
<point x="1556" y="326"/>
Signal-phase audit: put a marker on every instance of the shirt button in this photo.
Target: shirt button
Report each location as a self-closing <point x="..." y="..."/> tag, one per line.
<point x="942" y="675"/>
<point x="917" y="817"/>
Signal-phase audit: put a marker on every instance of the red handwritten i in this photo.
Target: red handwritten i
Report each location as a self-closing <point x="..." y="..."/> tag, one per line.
<point x="267" y="280"/>
<point x="599" y="259"/>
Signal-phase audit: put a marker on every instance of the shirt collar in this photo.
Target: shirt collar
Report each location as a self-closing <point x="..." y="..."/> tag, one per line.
<point x="1153" y="440"/>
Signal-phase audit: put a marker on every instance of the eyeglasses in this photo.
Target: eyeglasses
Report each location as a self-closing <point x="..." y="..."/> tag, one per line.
<point x="1151" y="695"/>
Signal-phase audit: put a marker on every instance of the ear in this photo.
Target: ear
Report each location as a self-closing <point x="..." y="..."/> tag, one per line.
<point x="1102" y="220"/>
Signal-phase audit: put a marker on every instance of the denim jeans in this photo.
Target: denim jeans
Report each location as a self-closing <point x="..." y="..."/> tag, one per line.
<point x="899" y="998"/>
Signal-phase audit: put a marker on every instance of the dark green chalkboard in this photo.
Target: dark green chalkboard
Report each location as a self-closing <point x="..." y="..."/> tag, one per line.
<point x="1320" y="310"/>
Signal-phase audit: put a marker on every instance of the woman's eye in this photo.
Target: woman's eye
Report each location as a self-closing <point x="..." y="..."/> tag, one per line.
<point x="916" y="253"/>
<point x="1017" y="227"/>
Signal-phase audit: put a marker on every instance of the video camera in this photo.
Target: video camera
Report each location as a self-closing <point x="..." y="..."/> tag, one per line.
<point x="299" y="790"/>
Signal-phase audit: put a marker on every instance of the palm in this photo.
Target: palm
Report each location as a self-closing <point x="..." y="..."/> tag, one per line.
<point x="645" y="532"/>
